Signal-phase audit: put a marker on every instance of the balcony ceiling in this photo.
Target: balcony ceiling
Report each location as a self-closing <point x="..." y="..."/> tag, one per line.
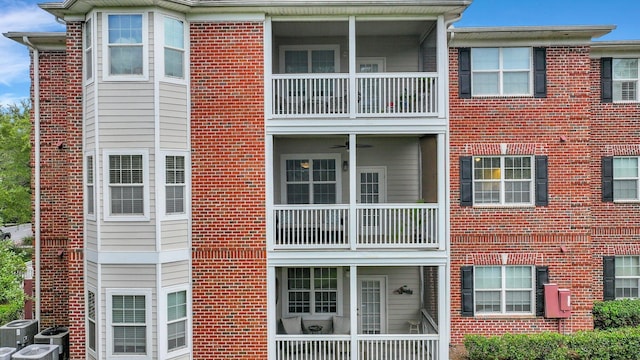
<point x="336" y="28"/>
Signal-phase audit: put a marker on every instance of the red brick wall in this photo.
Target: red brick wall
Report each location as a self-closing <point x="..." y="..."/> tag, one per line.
<point x="615" y="131"/>
<point x="228" y="184"/>
<point x="531" y="235"/>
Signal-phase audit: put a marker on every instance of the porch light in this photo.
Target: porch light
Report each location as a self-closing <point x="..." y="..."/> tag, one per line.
<point x="345" y="165"/>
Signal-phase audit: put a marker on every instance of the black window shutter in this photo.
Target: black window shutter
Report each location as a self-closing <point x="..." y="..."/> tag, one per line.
<point x="542" y="181"/>
<point x="466" y="181"/>
<point x="467" y="290"/>
<point x="464" y="73"/>
<point x="606" y="80"/>
<point x="609" y="277"/>
<point x="607" y="179"/>
<point x="542" y="277"/>
<point x="540" y="72"/>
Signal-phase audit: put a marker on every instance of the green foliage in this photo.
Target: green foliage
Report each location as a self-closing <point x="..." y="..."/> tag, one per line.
<point x="15" y="172"/>
<point x="619" y="344"/>
<point x="12" y="268"/>
<point x="616" y="313"/>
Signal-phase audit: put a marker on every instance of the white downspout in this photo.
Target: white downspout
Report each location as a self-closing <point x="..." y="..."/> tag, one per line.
<point x="36" y="125"/>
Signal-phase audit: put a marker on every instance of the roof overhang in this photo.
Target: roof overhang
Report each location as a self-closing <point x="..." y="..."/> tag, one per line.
<point x="46" y="41"/>
<point x="620" y="49"/>
<point x="449" y="8"/>
<point x="527" y="35"/>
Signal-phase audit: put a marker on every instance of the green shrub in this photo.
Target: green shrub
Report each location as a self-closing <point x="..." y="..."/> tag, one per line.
<point x="616" y="314"/>
<point x="619" y="344"/>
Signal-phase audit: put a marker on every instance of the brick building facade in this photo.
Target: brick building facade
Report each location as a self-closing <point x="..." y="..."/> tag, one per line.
<point x="245" y="188"/>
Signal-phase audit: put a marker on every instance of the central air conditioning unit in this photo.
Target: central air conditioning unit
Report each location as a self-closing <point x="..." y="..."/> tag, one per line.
<point x="38" y="352"/>
<point x="6" y="352"/>
<point x="57" y="335"/>
<point x="18" y="333"/>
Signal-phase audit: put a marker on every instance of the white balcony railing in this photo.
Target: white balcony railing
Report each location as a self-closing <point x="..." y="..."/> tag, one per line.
<point x="325" y="347"/>
<point x="376" y="226"/>
<point x="376" y="94"/>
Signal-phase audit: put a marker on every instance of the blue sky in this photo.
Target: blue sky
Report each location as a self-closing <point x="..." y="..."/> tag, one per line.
<point x="25" y="15"/>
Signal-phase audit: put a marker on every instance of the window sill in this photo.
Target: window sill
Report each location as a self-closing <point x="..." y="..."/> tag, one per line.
<point x="505" y="316"/>
<point x="504" y="206"/>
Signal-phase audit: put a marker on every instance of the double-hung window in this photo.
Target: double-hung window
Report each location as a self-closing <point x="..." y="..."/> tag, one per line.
<point x="627" y="275"/>
<point x="501" y="71"/>
<point x="90" y="188"/>
<point x="625" y="178"/>
<point x="625" y="80"/>
<point x="125" y="45"/>
<point x="126" y="178"/>
<point x="311" y="179"/>
<point x="88" y="50"/>
<point x="128" y="322"/>
<point x="312" y="290"/>
<point x="175" y="184"/>
<point x="177" y="320"/>
<point x="504" y="289"/>
<point x="503" y="180"/>
<point x="91" y="320"/>
<point x="173" y="47"/>
<point x="309" y="59"/>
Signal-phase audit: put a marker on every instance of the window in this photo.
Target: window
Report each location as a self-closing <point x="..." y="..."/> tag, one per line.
<point x="125" y="44"/>
<point x="173" y="47"/>
<point x="627" y="276"/>
<point x="501" y="71"/>
<point x="91" y="320"/>
<point x="90" y="189"/>
<point x="88" y="50"/>
<point x="312" y="290"/>
<point x="625" y="79"/>
<point x="309" y="59"/>
<point x="310" y="179"/>
<point x="128" y="316"/>
<point x="177" y="320"/>
<point x="502" y="180"/>
<point x="126" y="173"/>
<point x="175" y="184"/>
<point x="625" y="178"/>
<point x="503" y="289"/>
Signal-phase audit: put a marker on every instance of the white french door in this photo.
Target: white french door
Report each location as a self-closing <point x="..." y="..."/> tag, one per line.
<point x="372" y="184"/>
<point x="372" y="305"/>
<point x="370" y="97"/>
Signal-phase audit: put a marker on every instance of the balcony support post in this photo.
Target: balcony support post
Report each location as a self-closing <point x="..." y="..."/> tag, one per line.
<point x="353" y="219"/>
<point x="443" y="68"/>
<point x="353" y="96"/>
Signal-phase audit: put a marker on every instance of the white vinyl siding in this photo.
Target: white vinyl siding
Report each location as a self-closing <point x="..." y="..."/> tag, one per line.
<point x="625" y="80"/>
<point x="175" y="274"/>
<point x="89" y="119"/>
<point x="127" y="236"/>
<point x="175" y="234"/>
<point x="174" y="117"/>
<point x="501" y="71"/>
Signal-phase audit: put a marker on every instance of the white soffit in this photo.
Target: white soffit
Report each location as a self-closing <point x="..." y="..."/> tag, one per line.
<point x="529" y="35"/>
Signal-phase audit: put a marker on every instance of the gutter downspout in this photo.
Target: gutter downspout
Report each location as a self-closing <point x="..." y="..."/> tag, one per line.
<point x="36" y="124"/>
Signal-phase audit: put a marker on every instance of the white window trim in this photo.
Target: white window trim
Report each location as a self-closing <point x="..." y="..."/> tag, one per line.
<point x="503" y="292"/>
<point x="162" y="189"/>
<point x="637" y="81"/>
<point x="86" y="185"/>
<point x="147" y="293"/>
<point x="163" y="331"/>
<point x="309" y="48"/>
<point x="636" y="178"/>
<point x="502" y="202"/>
<point x="95" y="321"/>
<point x="501" y="72"/>
<point x="160" y="46"/>
<point x="89" y="22"/>
<point x="625" y="277"/>
<point x="106" y="60"/>
<point x="324" y="156"/>
<point x="106" y="190"/>
<point x="312" y="315"/>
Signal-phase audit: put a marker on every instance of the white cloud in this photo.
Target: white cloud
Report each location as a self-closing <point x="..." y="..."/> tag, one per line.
<point x="19" y="16"/>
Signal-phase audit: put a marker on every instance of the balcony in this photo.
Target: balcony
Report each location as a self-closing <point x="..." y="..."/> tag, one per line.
<point x="376" y="226"/>
<point x="380" y="95"/>
<point x="355" y="69"/>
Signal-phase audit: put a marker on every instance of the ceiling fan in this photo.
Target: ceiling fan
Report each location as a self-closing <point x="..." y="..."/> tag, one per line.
<point x="346" y="145"/>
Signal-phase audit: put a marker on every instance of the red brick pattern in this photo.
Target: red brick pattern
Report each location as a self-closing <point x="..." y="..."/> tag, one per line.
<point x="228" y="185"/>
<point x="534" y="126"/>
